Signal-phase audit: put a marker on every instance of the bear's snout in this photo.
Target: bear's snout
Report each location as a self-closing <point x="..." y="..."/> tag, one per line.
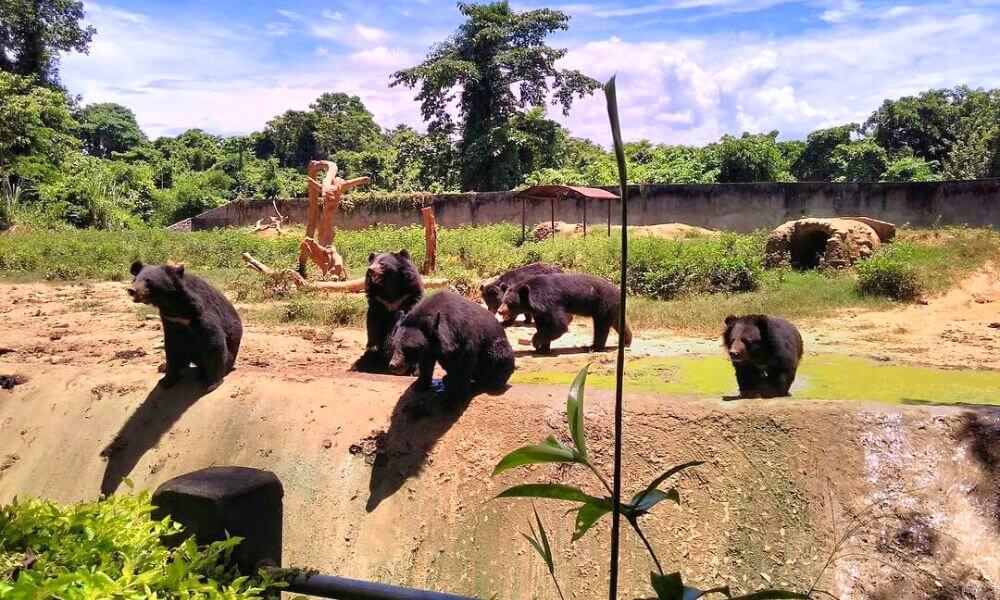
<point x="138" y="292"/>
<point x="398" y="366"/>
<point x="504" y="311"/>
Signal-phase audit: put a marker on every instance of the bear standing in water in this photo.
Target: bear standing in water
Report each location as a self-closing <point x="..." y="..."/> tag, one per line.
<point x="462" y="336"/>
<point x="553" y="299"/>
<point x="765" y="352"/>
<point x="200" y="325"/>
<point x="393" y="287"/>
<point x="492" y="290"/>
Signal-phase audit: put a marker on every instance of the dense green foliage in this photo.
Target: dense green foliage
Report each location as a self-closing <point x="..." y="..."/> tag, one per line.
<point x="92" y="166"/>
<point x="110" y="549"/>
<point x="108" y="128"/>
<point x="495" y="52"/>
<point x="34" y="32"/>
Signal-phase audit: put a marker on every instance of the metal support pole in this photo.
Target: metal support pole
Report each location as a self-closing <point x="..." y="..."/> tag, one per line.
<point x="552" y="206"/>
<point x="340" y="588"/>
<point x="524" y="218"/>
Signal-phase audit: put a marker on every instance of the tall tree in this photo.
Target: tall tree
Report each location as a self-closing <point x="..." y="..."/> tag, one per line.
<point x="34" y="32"/>
<point x="494" y="52"/>
<point x="816" y="163"/>
<point x="107" y="128"/>
<point x="35" y="130"/>
<point x="751" y="158"/>
<point x="923" y="125"/>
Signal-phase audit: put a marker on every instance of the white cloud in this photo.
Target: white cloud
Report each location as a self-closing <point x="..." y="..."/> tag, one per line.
<point x="841" y="12"/>
<point x="682" y="89"/>
<point x="694" y="90"/>
<point x="177" y="75"/>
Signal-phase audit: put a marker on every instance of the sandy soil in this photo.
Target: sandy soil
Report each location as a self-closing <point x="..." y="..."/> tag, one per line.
<point x="383" y="484"/>
<point x="959" y="329"/>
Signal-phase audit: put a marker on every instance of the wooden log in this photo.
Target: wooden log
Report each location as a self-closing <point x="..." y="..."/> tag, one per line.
<point x="430" y="240"/>
<point x="349" y="286"/>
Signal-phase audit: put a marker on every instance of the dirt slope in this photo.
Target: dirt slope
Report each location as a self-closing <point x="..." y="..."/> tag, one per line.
<point x="382" y="485"/>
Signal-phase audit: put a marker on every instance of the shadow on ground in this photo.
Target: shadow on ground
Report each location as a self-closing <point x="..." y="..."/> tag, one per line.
<point x="981" y="430"/>
<point x="417" y="423"/>
<point x="144" y="428"/>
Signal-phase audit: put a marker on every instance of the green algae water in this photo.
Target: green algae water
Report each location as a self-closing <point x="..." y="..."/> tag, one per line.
<point x="821" y="376"/>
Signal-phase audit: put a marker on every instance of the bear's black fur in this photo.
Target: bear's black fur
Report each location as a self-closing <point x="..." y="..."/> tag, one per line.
<point x="462" y="336"/>
<point x="553" y="299"/>
<point x="393" y="287"/>
<point x="492" y="290"/>
<point x="765" y="352"/>
<point x="200" y="325"/>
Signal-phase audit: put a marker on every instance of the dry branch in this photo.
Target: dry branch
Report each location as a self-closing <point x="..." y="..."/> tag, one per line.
<point x="351" y="285"/>
<point x="430" y="240"/>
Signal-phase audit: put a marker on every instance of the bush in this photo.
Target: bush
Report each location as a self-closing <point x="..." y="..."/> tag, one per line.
<point x="886" y="274"/>
<point x="110" y="548"/>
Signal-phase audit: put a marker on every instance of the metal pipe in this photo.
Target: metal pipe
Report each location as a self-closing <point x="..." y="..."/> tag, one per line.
<point x="340" y="588"/>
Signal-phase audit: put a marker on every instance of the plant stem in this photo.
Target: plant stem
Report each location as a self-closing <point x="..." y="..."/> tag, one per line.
<point x="558" y="589"/>
<point x="635" y="525"/>
<point x="603" y="481"/>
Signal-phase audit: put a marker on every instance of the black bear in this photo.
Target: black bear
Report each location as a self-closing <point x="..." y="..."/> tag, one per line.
<point x="462" y="336"/>
<point x="393" y="287"/>
<point x="553" y="299"/>
<point x="492" y="289"/>
<point x="765" y="352"/>
<point x="200" y="325"/>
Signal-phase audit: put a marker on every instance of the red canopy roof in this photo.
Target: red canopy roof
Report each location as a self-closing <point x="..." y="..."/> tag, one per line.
<point x="555" y="192"/>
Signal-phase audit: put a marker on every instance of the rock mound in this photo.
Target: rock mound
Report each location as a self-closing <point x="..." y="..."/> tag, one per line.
<point x="836" y="242"/>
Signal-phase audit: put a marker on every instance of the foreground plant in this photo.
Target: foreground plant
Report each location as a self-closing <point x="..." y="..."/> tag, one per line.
<point x="590" y="509"/>
<point x="111" y="549"/>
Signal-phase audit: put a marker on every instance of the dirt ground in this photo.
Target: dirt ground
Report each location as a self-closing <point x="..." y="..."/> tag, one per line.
<point x="383" y="484"/>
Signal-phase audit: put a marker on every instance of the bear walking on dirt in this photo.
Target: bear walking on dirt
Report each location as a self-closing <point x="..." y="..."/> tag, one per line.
<point x="462" y="336"/>
<point x="200" y="325"/>
<point x="393" y="287"/>
<point x="765" y="352"/>
<point x="492" y="290"/>
<point x="553" y="299"/>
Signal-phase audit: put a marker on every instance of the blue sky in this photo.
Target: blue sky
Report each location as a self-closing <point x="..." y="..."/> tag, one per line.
<point x="688" y="70"/>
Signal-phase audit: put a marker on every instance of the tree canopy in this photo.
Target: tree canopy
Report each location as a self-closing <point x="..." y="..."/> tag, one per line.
<point x="496" y="63"/>
<point x="33" y="33"/>
<point x="108" y="128"/>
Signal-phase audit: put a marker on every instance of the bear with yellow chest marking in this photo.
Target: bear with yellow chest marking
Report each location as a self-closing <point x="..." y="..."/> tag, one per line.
<point x="200" y="325"/>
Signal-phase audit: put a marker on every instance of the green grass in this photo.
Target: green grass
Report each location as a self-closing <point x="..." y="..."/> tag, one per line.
<point x="689" y="284"/>
<point x="820" y="377"/>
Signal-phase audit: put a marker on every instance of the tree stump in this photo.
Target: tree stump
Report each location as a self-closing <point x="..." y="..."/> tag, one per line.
<point x="320" y="231"/>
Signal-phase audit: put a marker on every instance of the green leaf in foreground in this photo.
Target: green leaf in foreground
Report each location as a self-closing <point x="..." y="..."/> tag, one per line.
<point x="553" y="491"/>
<point x="542" y="547"/>
<point x="671" y="587"/>
<point x="574" y="411"/>
<point x="551" y="450"/>
<point x="644" y="501"/>
<point x="587" y="515"/>
<point x="639" y="498"/>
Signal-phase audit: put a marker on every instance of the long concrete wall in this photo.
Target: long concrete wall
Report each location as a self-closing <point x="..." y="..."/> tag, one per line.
<point x="731" y="207"/>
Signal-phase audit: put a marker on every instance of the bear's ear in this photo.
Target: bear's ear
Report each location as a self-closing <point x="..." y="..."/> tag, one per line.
<point x="503" y="287"/>
<point x="175" y="269"/>
<point x="761" y="322"/>
<point x="524" y="292"/>
<point x="730" y="320"/>
<point x="136" y="268"/>
<point x="371" y="258"/>
<point x="405" y="253"/>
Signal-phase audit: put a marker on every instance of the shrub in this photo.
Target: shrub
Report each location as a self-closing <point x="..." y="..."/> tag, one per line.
<point x="886" y="274"/>
<point x="110" y="548"/>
